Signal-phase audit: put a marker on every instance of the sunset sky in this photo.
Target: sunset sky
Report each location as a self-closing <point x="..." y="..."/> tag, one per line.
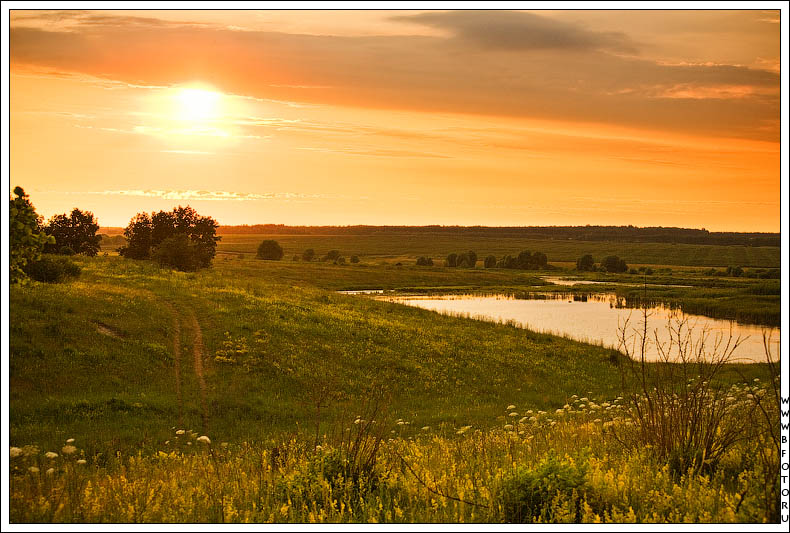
<point x="401" y="117"/>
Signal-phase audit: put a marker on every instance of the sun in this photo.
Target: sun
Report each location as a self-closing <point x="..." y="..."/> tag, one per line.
<point x="197" y="105"/>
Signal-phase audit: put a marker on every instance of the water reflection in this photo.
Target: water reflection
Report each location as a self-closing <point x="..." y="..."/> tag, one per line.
<point x="595" y="318"/>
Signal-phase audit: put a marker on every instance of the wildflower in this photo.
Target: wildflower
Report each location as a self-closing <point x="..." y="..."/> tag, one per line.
<point x="566" y="406"/>
<point x="513" y="414"/>
<point x="204" y="439"/>
<point x="508" y="427"/>
<point x="522" y="419"/>
<point x="68" y="449"/>
<point x="189" y="443"/>
<point x="15" y="452"/>
<point x="401" y="423"/>
<point x="33" y="470"/>
<point x="50" y="471"/>
<point x="167" y="442"/>
<point x="357" y="421"/>
<point x="426" y="428"/>
<point x="756" y="379"/>
<point x="553" y="423"/>
<point x="180" y="432"/>
<point x="585" y="399"/>
<point x="81" y="461"/>
<point x="225" y="444"/>
<point x="50" y="455"/>
<point x="529" y="412"/>
<point x="582" y="406"/>
<point x="511" y="406"/>
<point x="69" y="441"/>
<point x="559" y="411"/>
<point x="532" y="419"/>
<point x="597" y="420"/>
<point x="30" y="450"/>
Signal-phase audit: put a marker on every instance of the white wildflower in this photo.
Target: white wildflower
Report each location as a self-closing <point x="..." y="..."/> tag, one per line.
<point x="508" y="427"/>
<point x="204" y="439"/>
<point x="33" y="470"/>
<point x="511" y="406"/>
<point x="50" y="471"/>
<point x="68" y="449"/>
<point x="69" y="441"/>
<point x="81" y="461"/>
<point x="180" y="432"/>
<point x="15" y="452"/>
<point x="513" y="414"/>
<point x="50" y="455"/>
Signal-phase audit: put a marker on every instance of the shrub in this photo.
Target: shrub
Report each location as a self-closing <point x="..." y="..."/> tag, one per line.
<point x="66" y="250"/>
<point x="490" y="262"/>
<point x="331" y="255"/>
<point x="424" y="261"/>
<point x="52" y="269"/>
<point x="308" y="254"/>
<point x="355" y="259"/>
<point x="178" y="252"/>
<point x="451" y="261"/>
<point x="270" y="250"/>
<point x="585" y="263"/>
<point x="340" y="260"/>
<point x="613" y="263"/>
<point x="538" y="494"/>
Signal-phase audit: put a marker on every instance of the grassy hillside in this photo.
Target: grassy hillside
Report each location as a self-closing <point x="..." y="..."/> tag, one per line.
<point x="135" y="362"/>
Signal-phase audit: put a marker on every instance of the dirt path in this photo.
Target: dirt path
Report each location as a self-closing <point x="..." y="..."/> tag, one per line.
<point x="197" y="347"/>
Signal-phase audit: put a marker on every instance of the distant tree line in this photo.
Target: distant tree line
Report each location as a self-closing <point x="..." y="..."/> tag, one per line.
<point x="581" y="233"/>
<point x="611" y="263"/>
<point x="523" y="261"/>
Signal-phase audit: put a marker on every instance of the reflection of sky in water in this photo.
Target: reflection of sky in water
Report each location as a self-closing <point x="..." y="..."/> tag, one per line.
<point x="597" y="320"/>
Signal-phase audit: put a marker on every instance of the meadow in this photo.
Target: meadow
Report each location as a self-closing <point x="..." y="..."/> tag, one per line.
<point x="278" y="370"/>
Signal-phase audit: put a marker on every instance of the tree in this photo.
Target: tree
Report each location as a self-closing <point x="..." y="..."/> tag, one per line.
<point x="270" y="250"/>
<point x="452" y="260"/>
<point x="26" y="238"/>
<point x="177" y="251"/>
<point x="424" y="261"/>
<point x="585" y="263"/>
<point x="355" y="259"/>
<point x="331" y="255"/>
<point x="472" y="258"/>
<point x="613" y="263"/>
<point x="308" y="255"/>
<point x="490" y="262"/>
<point x="76" y="231"/>
<point x="524" y="260"/>
<point x="145" y="233"/>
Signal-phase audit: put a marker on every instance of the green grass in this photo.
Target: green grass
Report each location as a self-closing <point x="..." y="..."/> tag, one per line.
<point x="410" y="246"/>
<point x="287" y="358"/>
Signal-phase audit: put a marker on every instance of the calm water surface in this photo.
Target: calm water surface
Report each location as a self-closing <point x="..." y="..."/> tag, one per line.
<point x="595" y="319"/>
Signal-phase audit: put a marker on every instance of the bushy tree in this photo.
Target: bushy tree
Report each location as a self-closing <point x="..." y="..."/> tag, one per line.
<point x="613" y="263"/>
<point x="355" y="259"/>
<point x="451" y="261"/>
<point x="331" y="255"/>
<point x="145" y="233"/>
<point x="76" y="232"/>
<point x="308" y="255"/>
<point x="490" y="262"/>
<point x="25" y="236"/>
<point x="177" y="251"/>
<point x="424" y="261"/>
<point x="585" y="263"/>
<point x="270" y="250"/>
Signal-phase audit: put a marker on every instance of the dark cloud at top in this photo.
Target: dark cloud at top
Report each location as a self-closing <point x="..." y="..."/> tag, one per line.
<point x="551" y="80"/>
<point x="515" y="30"/>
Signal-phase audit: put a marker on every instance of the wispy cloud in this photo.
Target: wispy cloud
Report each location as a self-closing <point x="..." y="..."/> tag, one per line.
<point x="204" y="195"/>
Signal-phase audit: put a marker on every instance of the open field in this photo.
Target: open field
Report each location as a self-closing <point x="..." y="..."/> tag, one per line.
<point x="393" y="247"/>
<point x="267" y="357"/>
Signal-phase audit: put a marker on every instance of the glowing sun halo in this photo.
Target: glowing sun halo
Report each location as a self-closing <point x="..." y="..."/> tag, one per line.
<point x="197" y="104"/>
